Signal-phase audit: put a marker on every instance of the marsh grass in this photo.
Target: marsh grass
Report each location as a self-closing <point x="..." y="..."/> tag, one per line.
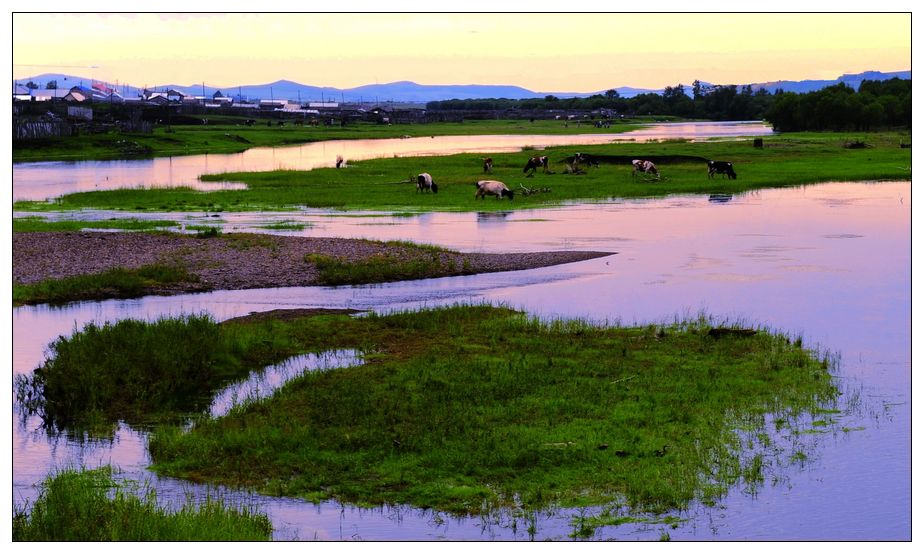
<point x="473" y="409"/>
<point x="35" y="224"/>
<point x="418" y="261"/>
<point x="378" y="268"/>
<point x="286" y="226"/>
<point x="113" y="283"/>
<point x="89" y="506"/>
<point x="785" y="160"/>
<point x="142" y="372"/>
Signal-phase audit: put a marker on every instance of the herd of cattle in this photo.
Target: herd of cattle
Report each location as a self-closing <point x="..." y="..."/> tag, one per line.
<point x="425" y="182"/>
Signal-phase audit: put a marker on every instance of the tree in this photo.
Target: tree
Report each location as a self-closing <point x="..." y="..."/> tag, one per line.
<point x="51" y="84"/>
<point x="32" y="86"/>
<point x="612" y="94"/>
<point x="697" y="90"/>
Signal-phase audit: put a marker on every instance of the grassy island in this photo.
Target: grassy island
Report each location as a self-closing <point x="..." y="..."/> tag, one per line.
<point x="462" y="409"/>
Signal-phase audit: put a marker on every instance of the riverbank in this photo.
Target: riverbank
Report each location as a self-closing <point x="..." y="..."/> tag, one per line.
<point x="227" y="135"/>
<point x="243" y="261"/>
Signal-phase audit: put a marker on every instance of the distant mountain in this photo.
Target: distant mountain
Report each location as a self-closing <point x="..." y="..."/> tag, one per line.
<point x="407" y="91"/>
<point x="853" y="81"/>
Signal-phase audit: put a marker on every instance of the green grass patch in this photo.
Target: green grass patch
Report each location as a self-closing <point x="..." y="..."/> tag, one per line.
<point x="114" y="283"/>
<point x="378" y="268"/>
<point x="286" y="226"/>
<point x="471" y="409"/>
<point x="89" y="506"/>
<point x="419" y="261"/>
<point x="143" y="372"/>
<point x="785" y="160"/>
<point x="36" y="224"/>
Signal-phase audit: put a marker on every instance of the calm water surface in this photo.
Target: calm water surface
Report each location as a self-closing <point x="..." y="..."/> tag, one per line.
<point x="829" y="262"/>
<point x="41" y="180"/>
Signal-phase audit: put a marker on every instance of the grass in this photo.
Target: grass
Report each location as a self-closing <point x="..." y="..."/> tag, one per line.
<point x="36" y="224"/>
<point x="785" y="160"/>
<point x="418" y="261"/>
<point x="142" y="372"/>
<point x="285" y="226"/>
<point x="89" y="506"/>
<point x="227" y="135"/>
<point x="113" y="283"/>
<point x="472" y="409"/>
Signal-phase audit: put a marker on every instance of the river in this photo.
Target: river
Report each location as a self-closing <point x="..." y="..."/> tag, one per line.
<point x="42" y="180"/>
<point x="830" y="262"/>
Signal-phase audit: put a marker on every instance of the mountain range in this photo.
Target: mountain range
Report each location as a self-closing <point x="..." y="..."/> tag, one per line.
<point x="407" y="91"/>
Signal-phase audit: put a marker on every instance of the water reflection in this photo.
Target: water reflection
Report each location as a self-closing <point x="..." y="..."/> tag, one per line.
<point x="262" y="384"/>
<point x="41" y="180"/>
<point x="831" y="263"/>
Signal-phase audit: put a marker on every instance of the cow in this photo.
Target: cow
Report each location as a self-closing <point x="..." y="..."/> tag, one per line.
<point x="487" y="164"/>
<point x="492" y="187"/>
<point x="725" y="168"/>
<point x="645" y="166"/>
<point x="425" y="183"/>
<point x="585" y="159"/>
<point x="536" y="162"/>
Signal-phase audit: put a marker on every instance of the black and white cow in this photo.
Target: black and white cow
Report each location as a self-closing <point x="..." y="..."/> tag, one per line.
<point x="725" y="168"/>
<point x="586" y="159"/>
<point x="645" y="166"/>
<point x="536" y="162"/>
<point x="496" y="188"/>
<point x="425" y="183"/>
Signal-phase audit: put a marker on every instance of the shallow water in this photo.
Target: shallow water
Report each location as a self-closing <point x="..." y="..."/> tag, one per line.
<point x="829" y="262"/>
<point x="42" y="180"/>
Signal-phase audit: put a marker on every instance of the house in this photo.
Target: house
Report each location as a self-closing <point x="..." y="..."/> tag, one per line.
<point x="272" y="104"/>
<point x="220" y="99"/>
<point x="174" y="95"/>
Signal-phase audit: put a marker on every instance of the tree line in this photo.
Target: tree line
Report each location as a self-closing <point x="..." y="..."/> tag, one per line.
<point x="839" y="107"/>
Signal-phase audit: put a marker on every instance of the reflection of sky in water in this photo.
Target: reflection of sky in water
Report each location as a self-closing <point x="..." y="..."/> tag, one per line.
<point x="779" y="258"/>
<point x="41" y="180"/>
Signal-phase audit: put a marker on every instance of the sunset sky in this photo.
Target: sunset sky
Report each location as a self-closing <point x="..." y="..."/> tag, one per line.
<point x="562" y="52"/>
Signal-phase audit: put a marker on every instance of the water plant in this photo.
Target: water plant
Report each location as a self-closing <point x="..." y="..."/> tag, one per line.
<point x="36" y="224"/>
<point x="89" y="506"/>
<point x="141" y="371"/>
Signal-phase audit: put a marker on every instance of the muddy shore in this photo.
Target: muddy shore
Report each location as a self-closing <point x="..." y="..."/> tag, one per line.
<point x="240" y="261"/>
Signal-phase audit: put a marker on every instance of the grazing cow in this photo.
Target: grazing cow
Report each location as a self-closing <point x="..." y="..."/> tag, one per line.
<point x="646" y="167"/>
<point x="487" y="164"/>
<point x="535" y="163"/>
<point x="496" y="188"/>
<point x="725" y="168"/>
<point x="425" y="183"/>
<point x="585" y="159"/>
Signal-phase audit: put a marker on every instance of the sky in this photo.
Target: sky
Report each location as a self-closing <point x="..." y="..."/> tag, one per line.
<point x="544" y="52"/>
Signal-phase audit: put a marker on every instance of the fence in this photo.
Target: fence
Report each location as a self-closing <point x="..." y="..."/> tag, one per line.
<point x="31" y="130"/>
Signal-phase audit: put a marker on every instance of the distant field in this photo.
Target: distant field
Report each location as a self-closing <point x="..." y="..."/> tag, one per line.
<point x="225" y="135"/>
<point x="388" y="184"/>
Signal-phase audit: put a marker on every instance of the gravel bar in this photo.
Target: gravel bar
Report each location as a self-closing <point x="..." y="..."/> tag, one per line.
<point x="239" y="261"/>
